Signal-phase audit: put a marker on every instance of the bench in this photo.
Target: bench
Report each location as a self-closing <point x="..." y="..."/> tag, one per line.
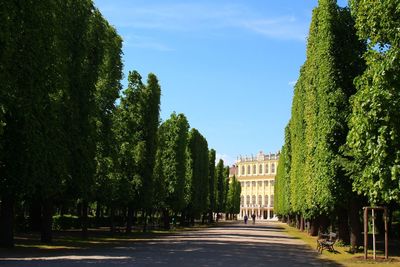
<point x="326" y="241"/>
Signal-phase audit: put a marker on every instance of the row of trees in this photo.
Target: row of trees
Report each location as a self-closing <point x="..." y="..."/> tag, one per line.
<point x="70" y="144"/>
<point x="341" y="143"/>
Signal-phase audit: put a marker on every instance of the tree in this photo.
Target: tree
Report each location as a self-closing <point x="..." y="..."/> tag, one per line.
<point x="32" y="162"/>
<point x="212" y="185"/>
<point x="150" y="121"/>
<point x="171" y="165"/>
<point x="373" y="139"/>
<point x="282" y="180"/>
<point x="107" y="91"/>
<point x="233" y="197"/>
<point x="83" y="51"/>
<point x="221" y="191"/>
<point x="199" y="184"/>
<point x="130" y="132"/>
<point x="319" y="186"/>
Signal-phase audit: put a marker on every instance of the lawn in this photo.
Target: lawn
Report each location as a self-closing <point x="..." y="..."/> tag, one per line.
<point x="342" y="255"/>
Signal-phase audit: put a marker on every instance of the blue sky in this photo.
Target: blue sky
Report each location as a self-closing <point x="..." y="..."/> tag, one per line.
<point x="229" y="66"/>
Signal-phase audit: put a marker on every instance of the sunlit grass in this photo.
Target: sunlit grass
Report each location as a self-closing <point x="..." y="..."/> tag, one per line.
<point x="342" y="255"/>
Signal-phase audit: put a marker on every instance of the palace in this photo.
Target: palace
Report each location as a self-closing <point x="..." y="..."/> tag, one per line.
<point x="257" y="178"/>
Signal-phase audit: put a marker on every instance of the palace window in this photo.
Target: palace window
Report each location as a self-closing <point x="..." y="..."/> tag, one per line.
<point x="266" y="200"/>
<point x="253" y="184"/>
<point x="243" y="170"/>
<point x="254" y="169"/>
<point x="272" y="182"/>
<point x="242" y="200"/>
<point x="248" y="169"/>
<point x="260" y="200"/>
<point x="259" y="183"/>
<point x="266" y="183"/>
<point x="253" y="199"/>
<point x="260" y="169"/>
<point x="247" y="184"/>
<point x="272" y="200"/>
<point x="273" y="168"/>
<point x="266" y="168"/>
<point x="248" y="200"/>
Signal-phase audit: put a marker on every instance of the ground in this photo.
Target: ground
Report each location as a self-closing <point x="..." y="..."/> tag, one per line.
<point x="262" y="244"/>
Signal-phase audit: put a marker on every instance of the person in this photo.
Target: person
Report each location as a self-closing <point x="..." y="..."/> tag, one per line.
<point x="245" y="219"/>
<point x="253" y="216"/>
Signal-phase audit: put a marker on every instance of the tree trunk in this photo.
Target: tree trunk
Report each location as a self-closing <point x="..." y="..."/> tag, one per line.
<point x="210" y="216"/>
<point x="7" y="222"/>
<point x="183" y="218"/>
<point x="35" y="211"/>
<point x="98" y="213"/>
<point x="129" y="220"/>
<point x="343" y="231"/>
<point x="166" y="219"/>
<point x="390" y="220"/>
<point x="314" y="226"/>
<point x="324" y="223"/>
<point x="112" y="219"/>
<point x="379" y="222"/>
<point x="47" y="222"/>
<point x="144" y="217"/>
<point x="84" y="219"/>
<point x="355" y="224"/>
<point x="301" y="223"/>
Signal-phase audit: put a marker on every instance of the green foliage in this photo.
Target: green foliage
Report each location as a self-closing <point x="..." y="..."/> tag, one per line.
<point x="199" y="164"/>
<point x="233" y="196"/>
<point x="107" y="92"/>
<point x="212" y="181"/>
<point x="65" y="222"/>
<point x="373" y="140"/>
<point x="282" y="179"/>
<point x="311" y="179"/>
<point x="220" y="175"/>
<point x="137" y="120"/>
<point x="172" y="163"/>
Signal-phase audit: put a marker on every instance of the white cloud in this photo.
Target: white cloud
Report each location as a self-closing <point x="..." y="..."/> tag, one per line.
<point x="192" y="17"/>
<point x="145" y="42"/>
<point x="283" y="28"/>
<point x="292" y="83"/>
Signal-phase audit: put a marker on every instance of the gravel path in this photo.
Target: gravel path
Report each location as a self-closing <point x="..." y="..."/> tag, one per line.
<point x="263" y="244"/>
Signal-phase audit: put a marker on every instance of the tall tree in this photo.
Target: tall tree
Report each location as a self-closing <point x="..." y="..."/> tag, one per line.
<point x="373" y="140"/>
<point x="199" y="164"/>
<point x="33" y="150"/>
<point x="171" y="165"/>
<point x="107" y="91"/>
<point x="233" y="197"/>
<point x="282" y="180"/>
<point x="212" y="185"/>
<point x="131" y="146"/>
<point x="150" y="121"/>
<point x="220" y="179"/>
<point x="318" y="184"/>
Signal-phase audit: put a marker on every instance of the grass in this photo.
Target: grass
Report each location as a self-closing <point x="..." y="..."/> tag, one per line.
<point x="342" y="255"/>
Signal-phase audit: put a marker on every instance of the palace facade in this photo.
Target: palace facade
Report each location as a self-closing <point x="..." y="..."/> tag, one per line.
<point x="257" y="178"/>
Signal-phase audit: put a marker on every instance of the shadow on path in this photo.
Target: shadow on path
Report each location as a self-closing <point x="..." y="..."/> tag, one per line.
<point x="216" y="246"/>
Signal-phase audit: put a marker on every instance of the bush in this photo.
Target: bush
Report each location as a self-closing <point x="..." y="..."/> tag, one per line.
<point x="65" y="222"/>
